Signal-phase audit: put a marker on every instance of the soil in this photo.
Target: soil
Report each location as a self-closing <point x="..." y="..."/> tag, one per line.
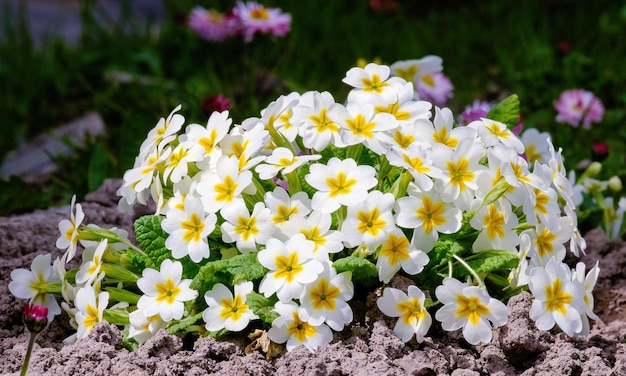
<point x="367" y="347"/>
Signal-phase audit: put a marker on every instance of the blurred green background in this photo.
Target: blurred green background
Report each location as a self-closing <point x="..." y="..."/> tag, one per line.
<point x="490" y="49"/>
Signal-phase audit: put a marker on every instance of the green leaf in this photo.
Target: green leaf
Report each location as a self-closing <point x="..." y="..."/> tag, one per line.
<point x="151" y="238"/>
<point x="487" y="262"/>
<point x="507" y="111"/>
<point x="122" y="295"/>
<point x="184" y="324"/>
<point x="229" y="272"/>
<point x="262" y="306"/>
<point x="364" y="272"/>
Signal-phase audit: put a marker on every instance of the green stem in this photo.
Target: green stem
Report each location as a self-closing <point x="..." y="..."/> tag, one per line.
<point x="471" y="271"/>
<point x="31" y="342"/>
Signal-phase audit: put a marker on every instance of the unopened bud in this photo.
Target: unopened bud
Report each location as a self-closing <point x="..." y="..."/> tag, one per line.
<point x="35" y="317"/>
<point x="594" y="169"/>
<point x="615" y="183"/>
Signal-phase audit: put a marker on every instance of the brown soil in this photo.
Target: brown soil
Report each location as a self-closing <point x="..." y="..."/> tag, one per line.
<point x="368" y="347"/>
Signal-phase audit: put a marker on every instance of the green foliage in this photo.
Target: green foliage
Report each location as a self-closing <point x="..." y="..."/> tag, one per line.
<point x="229" y="272"/>
<point x="151" y="237"/>
<point x="262" y="306"/>
<point x="364" y="272"/>
<point x="507" y="111"/>
<point x="487" y="262"/>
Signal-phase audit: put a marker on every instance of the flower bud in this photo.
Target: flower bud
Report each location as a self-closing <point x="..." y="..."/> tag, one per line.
<point x="615" y="183"/>
<point x="35" y="317"/>
<point x="594" y="169"/>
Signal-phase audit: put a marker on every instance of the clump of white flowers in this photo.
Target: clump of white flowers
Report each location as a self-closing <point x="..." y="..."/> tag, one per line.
<point x="275" y="222"/>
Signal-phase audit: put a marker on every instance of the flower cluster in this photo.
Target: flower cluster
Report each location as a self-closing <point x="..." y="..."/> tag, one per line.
<point x="246" y="19"/>
<point x="276" y="221"/>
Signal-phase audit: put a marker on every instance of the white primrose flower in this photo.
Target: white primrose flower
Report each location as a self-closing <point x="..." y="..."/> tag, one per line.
<point x="370" y="221"/>
<point x="164" y="291"/>
<point x="69" y="229"/>
<point x="496" y="223"/>
<point x="247" y="229"/>
<point x="441" y="130"/>
<point x="536" y="146"/>
<point x="188" y="230"/>
<point x="224" y="186"/>
<point x="340" y="182"/>
<point x="416" y="159"/>
<point x="291" y="267"/>
<point x="90" y="309"/>
<point x="413" y="318"/>
<point x="413" y="70"/>
<point x="316" y="228"/>
<point x="245" y="145"/>
<point x="470" y="308"/>
<point x="589" y="282"/>
<point x="282" y="160"/>
<point x="163" y="132"/>
<point x="317" y="129"/>
<point x="285" y="207"/>
<point x="493" y="132"/>
<point x="401" y="105"/>
<point x="290" y="328"/>
<point x="226" y="310"/>
<point x="92" y="262"/>
<point x="546" y="244"/>
<point x="368" y="82"/>
<point x="142" y="328"/>
<point x="427" y="215"/>
<point x="208" y="137"/>
<point x="325" y="299"/>
<point x="177" y="163"/>
<point x="558" y="298"/>
<point x="396" y="252"/>
<point x="278" y="116"/>
<point x="33" y="284"/>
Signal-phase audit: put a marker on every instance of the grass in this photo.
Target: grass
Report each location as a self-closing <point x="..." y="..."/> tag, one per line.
<point x="490" y="49"/>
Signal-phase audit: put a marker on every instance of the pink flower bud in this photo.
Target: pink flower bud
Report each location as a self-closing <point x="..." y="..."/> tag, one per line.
<point x="35" y="317"/>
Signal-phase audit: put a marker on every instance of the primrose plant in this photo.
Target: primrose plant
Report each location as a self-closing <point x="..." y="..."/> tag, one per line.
<point x="275" y="223"/>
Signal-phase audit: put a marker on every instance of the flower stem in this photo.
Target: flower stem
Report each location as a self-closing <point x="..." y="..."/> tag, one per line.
<point x="480" y="281"/>
<point x="31" y="342"/>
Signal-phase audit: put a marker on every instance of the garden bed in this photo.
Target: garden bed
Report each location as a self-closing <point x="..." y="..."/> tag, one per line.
<point x="366" y="347"/>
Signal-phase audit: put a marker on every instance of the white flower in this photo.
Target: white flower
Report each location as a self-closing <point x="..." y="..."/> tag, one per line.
<point x="188" y="230"/>
<point x="340" y="182"/>
<point x="558" y="298"/>
<point x="282" y="160"/>
<point x="228" y="311"/>
<point x="164" y="291"/>
<point x="470" y="308"/>
<point x="370" y="221"/>
<point x="285" y="207"/>
<point x="396" y="252"/>
<point x="316" y="228"/>
<point x="142" y="328"/>
<point x="589" y="282"/>
<point x="90" y="309"/>
<point x="92" y="262"/>
<point x="245" y="228"/>
<point x="324" y="300"/>
<point x="33" y="284"/>
<point x="69" y="230"/>
<point x="291" y="266"/>
<point x="225" y="186"/>
<point x="414" y="319"/>
<point x="290" y="328"/>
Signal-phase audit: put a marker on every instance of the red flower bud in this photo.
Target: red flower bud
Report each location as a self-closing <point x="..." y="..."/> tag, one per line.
<point x="35" y="317"/>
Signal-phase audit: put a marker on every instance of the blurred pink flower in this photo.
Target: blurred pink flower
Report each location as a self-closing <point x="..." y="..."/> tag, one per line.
<point x="578" y="107"/>
<point x="435" y="88"/>
<point x="254" y="18"/>
<point x="478" y="109"/>
<point x="211" y="24"/>
<point x="216" y="103"/>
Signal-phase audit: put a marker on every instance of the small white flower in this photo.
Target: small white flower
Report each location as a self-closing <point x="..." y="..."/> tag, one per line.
<point x="90" y="309"/>
<point x="414" y="319"/>
<point x="164" y="291"/>
<point x="33" y="284"/>
<point x="69" y="230"/>
<point x="470" y="308"/>
<point x="227" y="310"/>
<point x="142" y="328"/>
<point x="92" y="262"/>
<point x="289" y="327"/>
<point x="246" y="229"/>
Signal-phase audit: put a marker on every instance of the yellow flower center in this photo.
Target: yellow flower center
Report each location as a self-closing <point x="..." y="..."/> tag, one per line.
<point x="471" y="308"/>
<point x="283" y="213"/>
<point x="412" y="311"/>
<point x="233" y="308"/>
<point x="544" y="242"/>
<point x="324" y="295"/>
<point x="167" y="291"/>
<point x="370" y="222"/>
<point x="315" y="236"/>
<point x="340" y="185"/>
<point x="208" y="143"/>
<point x="301" y="330"/>
<point x="393" y="109"/>
<point x="193" y="228"/>
<point x="226" y="190"/>
<point x="407" y="73"/>
<point x="91" y="318"/>
<point x="360" y="127"/>
<point x="395" y="249"/>
<point x="322" y="123"/>
<point x="431" y="214"/>
<point x="288" y="267"/>
<point x="373" y="84"/>
<point x="246" y="227"/>
<point x="557" y="298"/>
<point x="260" y="14"/>
<point x="459" y="173"/>
<point x="442" y="137"/>
<point x="494" y="222"/>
